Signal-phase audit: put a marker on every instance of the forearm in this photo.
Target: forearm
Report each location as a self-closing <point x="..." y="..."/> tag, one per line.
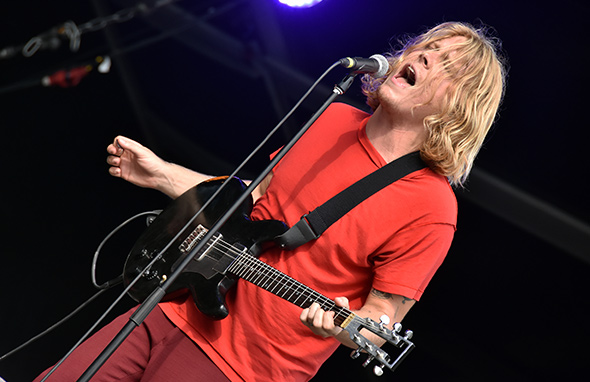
<point x="175" y="179"/>
<point x="379" y="303"/>
<point x="139" y="165"/>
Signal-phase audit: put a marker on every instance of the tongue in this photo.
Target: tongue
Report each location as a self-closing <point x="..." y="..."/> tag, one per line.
<point x="403" y="79"/>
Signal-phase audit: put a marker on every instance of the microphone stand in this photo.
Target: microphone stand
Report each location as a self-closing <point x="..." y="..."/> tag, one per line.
<point x="156" y="296"/>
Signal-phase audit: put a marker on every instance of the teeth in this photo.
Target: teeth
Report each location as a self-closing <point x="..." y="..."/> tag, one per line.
<point x="411" y="76"/>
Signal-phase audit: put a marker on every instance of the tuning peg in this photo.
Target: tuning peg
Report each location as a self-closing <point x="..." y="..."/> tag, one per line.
<point x="397" y="327"/>
<point x="368" y="361"/>
<point x="378" y="370"/>
<point x="408" y="334"/>
<point x="356" y="353"/>
<point x="384" y="320"/>
<point x="357" y="339"/>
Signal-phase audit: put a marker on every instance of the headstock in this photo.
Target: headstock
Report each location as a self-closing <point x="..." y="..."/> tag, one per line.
<point x="375" y="353"/>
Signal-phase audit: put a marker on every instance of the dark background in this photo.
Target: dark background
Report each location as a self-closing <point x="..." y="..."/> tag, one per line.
<point x="202" y="82"/>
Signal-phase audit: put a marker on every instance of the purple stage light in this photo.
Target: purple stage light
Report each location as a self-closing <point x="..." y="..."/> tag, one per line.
<point x="300" y="3"/>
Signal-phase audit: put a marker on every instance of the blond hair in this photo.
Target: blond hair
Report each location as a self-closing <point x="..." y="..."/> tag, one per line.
<point x="478" y="72"/>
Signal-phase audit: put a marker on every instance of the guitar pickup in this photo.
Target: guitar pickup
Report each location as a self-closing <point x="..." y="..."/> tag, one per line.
<point x="225" y="261"/>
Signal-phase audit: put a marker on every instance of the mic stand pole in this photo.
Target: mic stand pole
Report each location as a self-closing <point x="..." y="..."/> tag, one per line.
<point x="156" y="296"/>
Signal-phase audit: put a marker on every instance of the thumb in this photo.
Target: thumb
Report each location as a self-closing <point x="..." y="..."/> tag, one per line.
<point x="342" y="302"/>
<point x="124" y="143"/>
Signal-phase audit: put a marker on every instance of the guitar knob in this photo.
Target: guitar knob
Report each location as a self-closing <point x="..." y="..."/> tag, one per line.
<point x="151" y="274"/>
<point x="384" y="320"/>
<point x="397" y="327"/>
<point x="378" y="370"/>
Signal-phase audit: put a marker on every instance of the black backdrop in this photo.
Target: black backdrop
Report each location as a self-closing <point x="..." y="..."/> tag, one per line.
<point x="509" y="303"/>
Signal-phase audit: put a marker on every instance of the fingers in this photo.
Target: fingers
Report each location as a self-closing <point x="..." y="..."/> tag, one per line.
<point x="114" y="161"/>
<point x="119" y="144"/>
<point x="115" y="171"/>
<point x="319" y="321"/>
<point x="115" y="150"/>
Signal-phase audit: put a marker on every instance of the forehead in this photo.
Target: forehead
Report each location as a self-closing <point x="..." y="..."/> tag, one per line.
<point x="446" y="51"/>
<point x="446" y="43"/>
<point x="446" y="48"/>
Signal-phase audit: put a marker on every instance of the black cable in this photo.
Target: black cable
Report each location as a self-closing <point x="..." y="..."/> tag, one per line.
<point x="102" y="287"/>
<point x="118" y="279"/>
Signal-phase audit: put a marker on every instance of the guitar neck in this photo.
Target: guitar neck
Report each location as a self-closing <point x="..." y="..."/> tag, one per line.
<point x="274" y="281"/>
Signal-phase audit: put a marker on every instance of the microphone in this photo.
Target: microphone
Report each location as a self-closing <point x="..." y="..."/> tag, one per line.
<point x="376" y="65"/>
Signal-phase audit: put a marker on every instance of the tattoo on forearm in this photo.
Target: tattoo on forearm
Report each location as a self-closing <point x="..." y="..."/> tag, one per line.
<point x="381" y="294"/>
<point x="385" y="295"/>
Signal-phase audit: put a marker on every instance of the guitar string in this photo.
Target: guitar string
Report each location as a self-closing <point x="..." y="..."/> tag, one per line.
<point x="254" y="268"/>
<point x="257" y="269"/>
<point x="304" y="296"/>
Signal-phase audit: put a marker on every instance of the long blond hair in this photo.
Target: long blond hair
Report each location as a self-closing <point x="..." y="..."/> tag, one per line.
<point x="456" y="134"/>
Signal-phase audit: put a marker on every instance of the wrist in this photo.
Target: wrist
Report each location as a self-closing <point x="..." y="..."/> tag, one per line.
<point x="165" y="180"/>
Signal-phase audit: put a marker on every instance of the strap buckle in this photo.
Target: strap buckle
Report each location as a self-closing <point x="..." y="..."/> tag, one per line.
<point x="297" y="235"/>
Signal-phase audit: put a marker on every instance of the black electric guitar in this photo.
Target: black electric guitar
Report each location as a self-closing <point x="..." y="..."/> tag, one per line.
<point x="232" y="254"/>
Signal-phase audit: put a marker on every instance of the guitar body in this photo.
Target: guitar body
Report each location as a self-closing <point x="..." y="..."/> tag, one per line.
<point x="205" y="276"/>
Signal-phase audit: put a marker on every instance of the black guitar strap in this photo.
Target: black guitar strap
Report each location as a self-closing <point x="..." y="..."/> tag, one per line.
<point x="312" y="225"/>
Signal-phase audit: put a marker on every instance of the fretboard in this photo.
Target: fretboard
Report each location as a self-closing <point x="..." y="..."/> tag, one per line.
<point x="274" y="281"/>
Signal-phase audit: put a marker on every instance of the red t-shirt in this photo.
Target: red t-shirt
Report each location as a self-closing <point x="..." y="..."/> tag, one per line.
<point x="394" y="242"/>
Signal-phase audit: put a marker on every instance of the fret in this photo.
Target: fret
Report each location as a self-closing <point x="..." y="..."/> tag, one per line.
<point x="257" y="272"/>
<point x="284" y="288"/>
<point x="279" y="292"/>
<point x="290" y="298"/>
<point x="274" y="281"/>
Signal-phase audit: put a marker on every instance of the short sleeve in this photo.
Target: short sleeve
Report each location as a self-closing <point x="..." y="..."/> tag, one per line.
<point x="408" y="262"/>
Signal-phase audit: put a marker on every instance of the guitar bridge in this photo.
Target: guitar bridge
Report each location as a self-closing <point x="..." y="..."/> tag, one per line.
<point x="189" y="243"/>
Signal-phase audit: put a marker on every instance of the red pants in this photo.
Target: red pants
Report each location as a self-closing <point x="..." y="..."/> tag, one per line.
<point x="155" y="351"/>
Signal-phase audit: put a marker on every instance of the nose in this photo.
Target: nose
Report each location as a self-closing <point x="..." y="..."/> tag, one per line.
<point x="424" y="60"/>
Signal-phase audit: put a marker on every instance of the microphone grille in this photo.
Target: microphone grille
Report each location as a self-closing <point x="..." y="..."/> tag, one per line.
<point x="383" y="65"/>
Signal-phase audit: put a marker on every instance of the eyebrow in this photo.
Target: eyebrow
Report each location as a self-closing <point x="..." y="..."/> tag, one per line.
<point x="433" y="46"/>
<point x="444" y="57"/>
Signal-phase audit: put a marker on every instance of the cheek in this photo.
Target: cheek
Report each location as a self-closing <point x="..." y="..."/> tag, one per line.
<point x="436" y="95"/>
<point x="441" y="92"/>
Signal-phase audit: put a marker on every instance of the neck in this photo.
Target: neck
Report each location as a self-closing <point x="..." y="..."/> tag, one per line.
<point x="393" y="138"/>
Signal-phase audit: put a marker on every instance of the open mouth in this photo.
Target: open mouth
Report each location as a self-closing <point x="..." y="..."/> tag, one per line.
<point x="408" y="74"/>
